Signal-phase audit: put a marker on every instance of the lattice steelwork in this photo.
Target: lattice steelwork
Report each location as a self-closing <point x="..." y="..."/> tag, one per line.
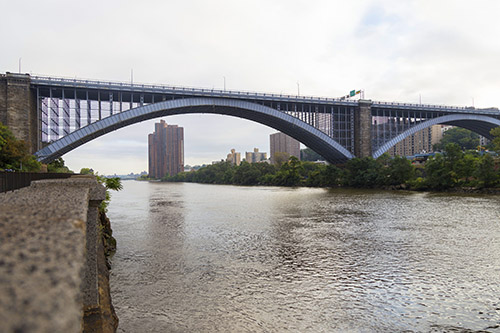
<point x="77" y="114"/>
<point x="335" y="121"/>
<point x="66" y="116"/>
<point x="85" y="105"/>
<point x="389" y="123"/>
<point x="54" y="119"/>
<point x="44" y="114"/>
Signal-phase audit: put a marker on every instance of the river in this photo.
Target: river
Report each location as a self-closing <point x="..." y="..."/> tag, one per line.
<point x="214" y="258"/>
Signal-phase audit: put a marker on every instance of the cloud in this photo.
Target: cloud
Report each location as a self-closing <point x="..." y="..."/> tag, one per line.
<point x="442" y="51"/>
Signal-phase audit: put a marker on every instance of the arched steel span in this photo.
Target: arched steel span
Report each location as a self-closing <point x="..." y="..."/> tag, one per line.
<point x="307" y="134"/>
<point x="482" y="125"/>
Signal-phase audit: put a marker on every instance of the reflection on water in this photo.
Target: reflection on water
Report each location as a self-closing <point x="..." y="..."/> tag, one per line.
<point x="207" y="258"/>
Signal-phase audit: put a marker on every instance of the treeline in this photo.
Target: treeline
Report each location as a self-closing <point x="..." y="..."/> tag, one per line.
<point x="453" y="168"/>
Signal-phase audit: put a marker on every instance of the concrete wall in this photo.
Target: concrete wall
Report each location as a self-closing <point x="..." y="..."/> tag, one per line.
<point x="49" y="257"/>
<point x="18" y="109"/>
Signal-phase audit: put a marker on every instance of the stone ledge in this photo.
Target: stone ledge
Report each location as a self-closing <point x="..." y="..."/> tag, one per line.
<point x="43" y="255"/>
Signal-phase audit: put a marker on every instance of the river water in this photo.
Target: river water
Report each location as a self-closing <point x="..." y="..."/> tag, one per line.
<point x="212" y="258"/>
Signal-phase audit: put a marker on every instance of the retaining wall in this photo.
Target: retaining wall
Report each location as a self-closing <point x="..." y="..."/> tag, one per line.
<point x="50" y="256"/>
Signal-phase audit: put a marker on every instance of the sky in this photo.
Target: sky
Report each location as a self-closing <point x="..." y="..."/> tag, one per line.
<point x="436" y="52"/>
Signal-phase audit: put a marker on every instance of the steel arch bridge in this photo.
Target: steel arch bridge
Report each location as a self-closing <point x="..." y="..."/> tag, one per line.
<point x="55" y="115"/>
<point x="479" y="124"/>
<point x="283" y="122"/>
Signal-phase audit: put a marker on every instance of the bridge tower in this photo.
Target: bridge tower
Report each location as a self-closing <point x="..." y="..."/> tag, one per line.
<point x="18" y="108"/>
<point x="363" y="129"/>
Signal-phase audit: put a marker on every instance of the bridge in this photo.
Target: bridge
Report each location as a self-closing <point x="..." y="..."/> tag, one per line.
<point x="56" y="115"/>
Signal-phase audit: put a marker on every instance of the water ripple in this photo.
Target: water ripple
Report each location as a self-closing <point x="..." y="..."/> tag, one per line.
<point x="201" y="258"/>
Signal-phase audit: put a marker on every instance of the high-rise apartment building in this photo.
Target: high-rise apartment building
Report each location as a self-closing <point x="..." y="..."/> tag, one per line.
<point x="234" y="157"/>
<point x="282" y="143"/>
<point x="255" y="156"/>
<point x="166" y="150"/>
<point x="420" y="142"/>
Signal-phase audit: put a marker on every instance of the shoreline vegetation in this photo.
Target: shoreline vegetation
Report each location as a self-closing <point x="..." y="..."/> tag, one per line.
<point x="450" y="171"/>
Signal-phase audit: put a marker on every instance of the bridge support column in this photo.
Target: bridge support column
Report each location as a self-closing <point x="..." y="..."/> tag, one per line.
<point x="18" y="108"/>
<point x="363" y="129"/>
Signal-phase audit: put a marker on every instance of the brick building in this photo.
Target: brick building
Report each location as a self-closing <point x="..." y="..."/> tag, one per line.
<point x="166" y="150"/>
<point x="282" y="143"/>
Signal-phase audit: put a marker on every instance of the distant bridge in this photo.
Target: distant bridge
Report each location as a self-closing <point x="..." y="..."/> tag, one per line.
<point x="56" y="115"/>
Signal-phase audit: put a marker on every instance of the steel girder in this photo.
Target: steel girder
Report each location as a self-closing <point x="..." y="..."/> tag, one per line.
<point x="301" y="131"/>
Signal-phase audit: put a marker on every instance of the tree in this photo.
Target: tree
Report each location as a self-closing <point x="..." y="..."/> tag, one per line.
<point x="289" y="173"/>
<point x="246" y="174"/>
<point x="113" y="183"/>
<point x="496" y="141"/>
<point x="485" y="171"/>
<point x="86" y="171"/>
<point x="14" y="153"/>
<point x="446" y="171"/>
<point x="280" y="157"/>
<point x="58" y="166"/>
<point x="438" y="175"/>
<point x="465" y="167"/>
<point x="363" y="172"/>
<point x="464" y="138"/>
<point x="323" y="175"/>
<point x="400" y="171"/>
<point x="332" y="176"/>
<point x="308" y="154"/>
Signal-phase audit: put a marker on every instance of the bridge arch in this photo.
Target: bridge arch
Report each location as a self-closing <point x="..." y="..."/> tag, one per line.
<point x="303" y="132"/>
<point x="481" y="125"/>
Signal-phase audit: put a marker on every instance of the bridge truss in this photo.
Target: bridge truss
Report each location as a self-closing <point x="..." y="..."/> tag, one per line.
<point x="69" y="105"/>
<point x="66" y="105"/>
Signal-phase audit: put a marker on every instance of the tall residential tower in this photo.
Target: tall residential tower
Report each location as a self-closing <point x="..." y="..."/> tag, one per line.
<point x="166" y="150"/>
<point x="284" y="144"/>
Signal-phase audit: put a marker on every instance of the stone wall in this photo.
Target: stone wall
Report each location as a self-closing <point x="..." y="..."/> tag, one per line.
<point x="53" y="275"/>
<point x="362" y="129"/>
<point x="18" y="109"/>
<point x="3" y="99"/>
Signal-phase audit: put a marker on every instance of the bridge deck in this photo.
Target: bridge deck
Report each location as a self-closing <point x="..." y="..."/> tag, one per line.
<point x="128" y="87"/>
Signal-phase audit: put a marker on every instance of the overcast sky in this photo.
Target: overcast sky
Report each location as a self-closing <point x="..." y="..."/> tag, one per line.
<point x="446" y="51"/>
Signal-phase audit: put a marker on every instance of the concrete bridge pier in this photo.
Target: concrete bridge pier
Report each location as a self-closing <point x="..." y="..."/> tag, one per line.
<point x="363" y="129"/>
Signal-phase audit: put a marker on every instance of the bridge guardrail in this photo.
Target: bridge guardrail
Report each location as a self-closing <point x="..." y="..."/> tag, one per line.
<point x="10" y="181"/>
<point x="85" y="83"/>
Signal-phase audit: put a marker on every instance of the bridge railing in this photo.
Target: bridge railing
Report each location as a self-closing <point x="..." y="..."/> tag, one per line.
<point x="10" y="181"/>
<point x="120" y="85"/>
<point x="436" y="107"/>
<point x="413" y="105"/>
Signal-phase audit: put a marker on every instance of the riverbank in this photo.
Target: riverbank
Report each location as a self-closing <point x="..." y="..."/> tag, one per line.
<point x="453" y="171"/>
